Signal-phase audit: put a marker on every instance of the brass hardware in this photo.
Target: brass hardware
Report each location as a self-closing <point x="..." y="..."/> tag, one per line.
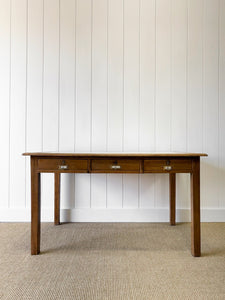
<point x="64" y="167"/>
<point x="167" y="168"/>
<point x="116" y="167"/>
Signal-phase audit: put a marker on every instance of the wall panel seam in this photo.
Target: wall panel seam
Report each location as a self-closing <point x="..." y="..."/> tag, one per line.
<point x="154" y="204"/>
<point x="75" y="74"/>
<point x="10" y="95"/>
<point x="123" y="190"/>
<point x="59" y="70"/>
<point x="25" y="184"/>
<point x="218" y="87"/>
<point x="171" y="73"/>
<point x="187" y="74"/>
<point x="139" y="93"/>
<point x="43" y="62"/>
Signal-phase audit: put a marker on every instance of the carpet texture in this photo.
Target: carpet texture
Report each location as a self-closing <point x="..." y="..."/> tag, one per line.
<point x="112" y="261"/>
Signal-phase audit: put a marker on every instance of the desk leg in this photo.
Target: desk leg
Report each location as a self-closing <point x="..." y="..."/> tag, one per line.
<point x="195" y="209"/>
<point x="172" y="199"/>
<point x="35" y="209"/>
<point x="57" y="198"/>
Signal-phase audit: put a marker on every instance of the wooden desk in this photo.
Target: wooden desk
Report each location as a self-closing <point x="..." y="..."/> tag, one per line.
<point x="168" y="163"/>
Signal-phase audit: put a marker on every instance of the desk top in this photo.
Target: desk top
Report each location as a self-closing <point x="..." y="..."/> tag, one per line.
<point x="116" y="154"/>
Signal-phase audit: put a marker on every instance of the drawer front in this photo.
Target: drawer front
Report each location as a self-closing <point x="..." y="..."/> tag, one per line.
<point x="79" y="165"/>
<point x="115" y="166"/>
<point x="167" y="166"/>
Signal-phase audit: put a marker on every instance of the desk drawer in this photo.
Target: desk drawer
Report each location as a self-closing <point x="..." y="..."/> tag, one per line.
<point x="79" y="165"/>
<point x="167" y="166"/>
<point x="115" y="166"/>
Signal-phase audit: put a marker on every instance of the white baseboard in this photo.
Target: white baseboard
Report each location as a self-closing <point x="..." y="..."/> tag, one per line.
<point x="111" y="215"/>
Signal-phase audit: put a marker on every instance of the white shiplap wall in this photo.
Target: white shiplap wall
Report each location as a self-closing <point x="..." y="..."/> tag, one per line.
<point x="112" y="75"/>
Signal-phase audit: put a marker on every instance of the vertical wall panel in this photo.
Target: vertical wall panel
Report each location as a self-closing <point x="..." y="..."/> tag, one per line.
<point x="50" y="91"/>
<point x="5" y="16"/>
<point x="82" y="191"/>
<point x="67" y="95"/>
<point x="115" y="96"/>
<point x="179" y="93"/>
<point x="178" y="76"/>
<point x="211" y="143"/>
<point x="195" y="83"/>
<point x="114" y="191"/>
<point x="51" y="75"/>
<point x="222" y="103"/>
<point x="115" y="75"/>
<point x="163" y="75"/>
<point x="163" y="93"/>
<point x="34" y="83"/>
<point x="195" y="76"/>
<point x="147" y="75"/>
<point x="99" y="95"/>
<point x="112" y="75"/>
<point x="99" y="75"/>
<point x="161" y="190"/>
<point x="83" y="75"/>
<point x="131" y="75"/>
<point x="98" y="191"/>
<point x="18" y="103"/>
<point x="83" y="95"/>
<point x="147" y="190"/>
<point x="34" y="75"/>
<point x="67" y="76"/>
<point x="131" y="191"/>
<point x="147" y="95"/>
<point x="131" y="93"/>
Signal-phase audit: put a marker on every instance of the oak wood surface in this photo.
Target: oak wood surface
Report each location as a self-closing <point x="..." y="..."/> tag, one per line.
<point x="35" y="209"/>
<point x="106" y="163"/>
<point x="114" y="165"/>
<point x="182" y="165"/>
<point x="195" y="209"/>
<point x="54" y="164"/>
<point x="172" y="199"/>
<point x="117" y="154"/>
<point x="57" y="199"/>
<point x="120" y="165"/>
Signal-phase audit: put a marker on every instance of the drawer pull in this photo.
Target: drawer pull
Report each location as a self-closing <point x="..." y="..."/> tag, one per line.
<point x="167" y="168"/>
<point x="64" y="167"/>
<point x="116" y="167"/>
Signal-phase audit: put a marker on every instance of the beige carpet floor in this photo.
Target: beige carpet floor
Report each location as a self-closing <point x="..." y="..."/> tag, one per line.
<point x="112" y="261"/>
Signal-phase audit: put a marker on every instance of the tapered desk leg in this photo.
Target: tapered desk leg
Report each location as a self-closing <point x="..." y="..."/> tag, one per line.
<point x="35" y="209"/>
<point x="172" y="199"/>
<point x="195" y="209"/>
<point x="57" y="198"/>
